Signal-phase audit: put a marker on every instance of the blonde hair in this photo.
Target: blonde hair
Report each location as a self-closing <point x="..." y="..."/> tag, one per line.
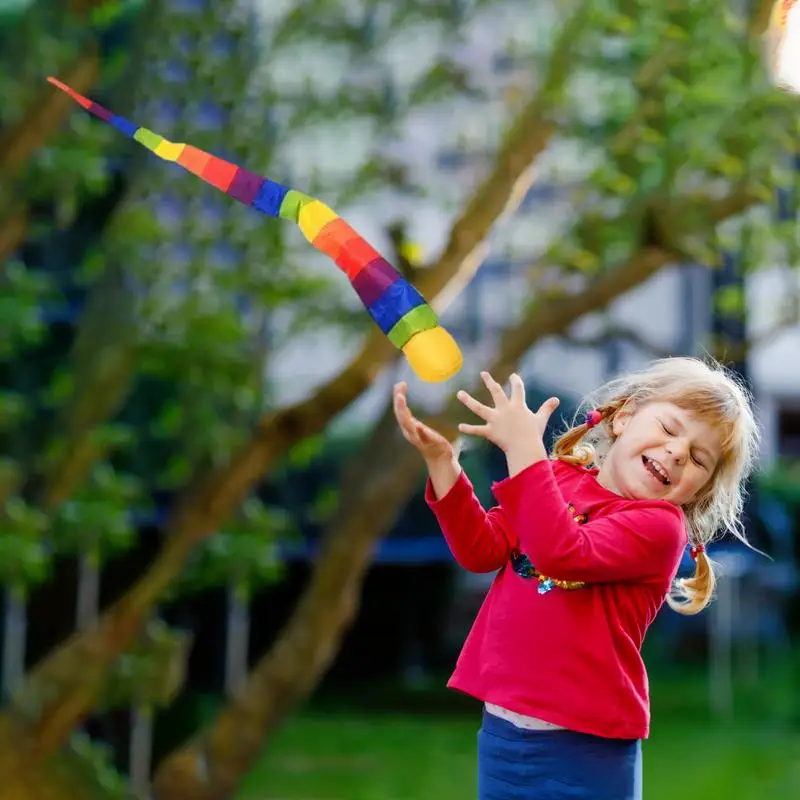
<point x="711" y="392"/>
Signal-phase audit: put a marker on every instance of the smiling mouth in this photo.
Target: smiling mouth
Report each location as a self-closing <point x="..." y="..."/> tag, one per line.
<point x="656" y="470"/>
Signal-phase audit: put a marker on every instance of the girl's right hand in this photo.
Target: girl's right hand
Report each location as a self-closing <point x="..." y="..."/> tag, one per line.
<point x="432" y="446"/>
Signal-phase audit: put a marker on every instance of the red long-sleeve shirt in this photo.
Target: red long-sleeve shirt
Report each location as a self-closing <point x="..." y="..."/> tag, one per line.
<point x="569" y="657"/>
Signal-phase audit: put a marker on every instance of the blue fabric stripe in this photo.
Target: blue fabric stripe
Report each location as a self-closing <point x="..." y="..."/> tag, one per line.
<point x="270" y="197"/>
<point x="395" y="302"/>
<point x="124" y="125"/>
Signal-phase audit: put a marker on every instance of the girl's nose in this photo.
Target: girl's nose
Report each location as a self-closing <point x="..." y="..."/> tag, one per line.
<point x="678" y="449"/>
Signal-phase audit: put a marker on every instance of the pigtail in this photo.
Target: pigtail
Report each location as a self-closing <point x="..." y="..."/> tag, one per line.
<point x="692" y="595"/>
<point x="571" y="448"/>
<point x="568" y="447"/>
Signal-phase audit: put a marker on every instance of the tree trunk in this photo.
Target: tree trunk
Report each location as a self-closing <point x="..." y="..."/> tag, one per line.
<point x="13" y="229"/>
<point x="48" y="111"/>
<point x="18" y="144"/>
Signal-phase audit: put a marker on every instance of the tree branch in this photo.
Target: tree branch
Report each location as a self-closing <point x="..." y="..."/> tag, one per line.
<point x="619" y="333"/>
<point x="760" y="11"/>
<point x="13" y="230"/>
<point x="47" y="112"/>
<point x="19" y="143"/>
<point x="788" y="318"/>
<point x="84" y="6"/>
<point x="397" y="233"/>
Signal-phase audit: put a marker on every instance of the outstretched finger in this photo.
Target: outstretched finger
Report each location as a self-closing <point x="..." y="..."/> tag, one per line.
<point x="475" y="430"/>
<point x="495" y="389"/>
<point x="399" y="403"/>
<point x="517" y="389"/>
<point x="547" y="408"/>
<point x="475" y="406"/>
<point x="402" y="412"/>
<point x="400" y="396"/>
<point x="428" y="435"/>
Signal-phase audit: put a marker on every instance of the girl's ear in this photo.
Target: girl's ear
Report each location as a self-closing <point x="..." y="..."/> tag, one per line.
<point x="622" y="417"/>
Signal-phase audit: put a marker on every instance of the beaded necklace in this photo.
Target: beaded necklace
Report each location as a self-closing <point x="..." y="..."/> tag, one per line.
<point x="523" y="567"/>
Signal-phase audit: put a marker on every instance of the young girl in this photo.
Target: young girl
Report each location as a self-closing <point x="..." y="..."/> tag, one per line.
<point x="587" y="546"/>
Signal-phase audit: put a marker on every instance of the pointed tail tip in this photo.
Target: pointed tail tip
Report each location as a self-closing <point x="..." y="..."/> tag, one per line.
<point x="78" y="98"/>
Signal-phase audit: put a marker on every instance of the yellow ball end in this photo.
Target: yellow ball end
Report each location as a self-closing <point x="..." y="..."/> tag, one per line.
<point x="433" y="355"/>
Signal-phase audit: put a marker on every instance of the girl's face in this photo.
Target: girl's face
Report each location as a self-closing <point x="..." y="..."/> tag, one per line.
<point x="661" y="451"/>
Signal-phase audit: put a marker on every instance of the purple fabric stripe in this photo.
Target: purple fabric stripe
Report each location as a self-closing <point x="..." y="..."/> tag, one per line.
<point x="246" y="186"/>
<point x="101" y="112"/>
<point x="374" y="279"/>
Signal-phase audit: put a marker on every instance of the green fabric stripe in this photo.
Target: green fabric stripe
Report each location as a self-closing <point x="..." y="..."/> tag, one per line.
<point x="418" y="319"/>
<point x="149" y="139"/>
<point x="292" y="203"/>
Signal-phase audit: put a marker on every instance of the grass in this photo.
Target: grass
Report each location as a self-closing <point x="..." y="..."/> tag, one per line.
<point x="332" y="757"/>
<point x="364" y="749"/>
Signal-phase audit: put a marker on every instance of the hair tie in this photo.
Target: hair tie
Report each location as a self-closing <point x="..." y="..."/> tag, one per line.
<point x="696" y="549"/>
<point x="592" y="418"/>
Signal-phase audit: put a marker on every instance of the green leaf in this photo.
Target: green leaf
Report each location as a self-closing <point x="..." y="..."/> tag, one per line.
<point x="60" y="389"/>
<point x="306" y="451"/>
<point x="13" y="409"/>
<point x="730" y="301"/>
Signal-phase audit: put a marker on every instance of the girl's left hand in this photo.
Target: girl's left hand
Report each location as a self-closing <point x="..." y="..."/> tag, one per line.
<point x="510" y="425"/>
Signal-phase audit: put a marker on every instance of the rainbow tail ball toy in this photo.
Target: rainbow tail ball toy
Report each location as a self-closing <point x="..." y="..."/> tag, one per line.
<point x="397" y="307"/>
<point x="783" y="45"/>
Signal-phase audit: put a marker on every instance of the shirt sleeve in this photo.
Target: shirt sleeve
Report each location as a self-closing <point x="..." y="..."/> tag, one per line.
<point x="480" y="540"/>
<point x="642" y="541"/>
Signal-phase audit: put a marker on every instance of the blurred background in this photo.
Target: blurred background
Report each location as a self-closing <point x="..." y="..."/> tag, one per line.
<point x="219" y="576"/>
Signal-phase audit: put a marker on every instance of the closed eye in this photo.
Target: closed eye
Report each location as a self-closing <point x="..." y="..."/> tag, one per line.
<point x="694" y="457"/>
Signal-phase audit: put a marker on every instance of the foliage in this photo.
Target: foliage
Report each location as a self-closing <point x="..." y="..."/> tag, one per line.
<point x="24" y="552"/>
<point x="88" y="767"/>
<point x="151" y="674"/>
<point x="246" y="555"/>
<point x="782" y="481"/>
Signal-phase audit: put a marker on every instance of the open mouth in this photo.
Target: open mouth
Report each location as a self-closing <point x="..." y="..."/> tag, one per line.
<point x="656" y="470"/>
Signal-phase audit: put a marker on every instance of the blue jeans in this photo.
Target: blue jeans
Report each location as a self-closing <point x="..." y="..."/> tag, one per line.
<point x="518" y="764"/>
